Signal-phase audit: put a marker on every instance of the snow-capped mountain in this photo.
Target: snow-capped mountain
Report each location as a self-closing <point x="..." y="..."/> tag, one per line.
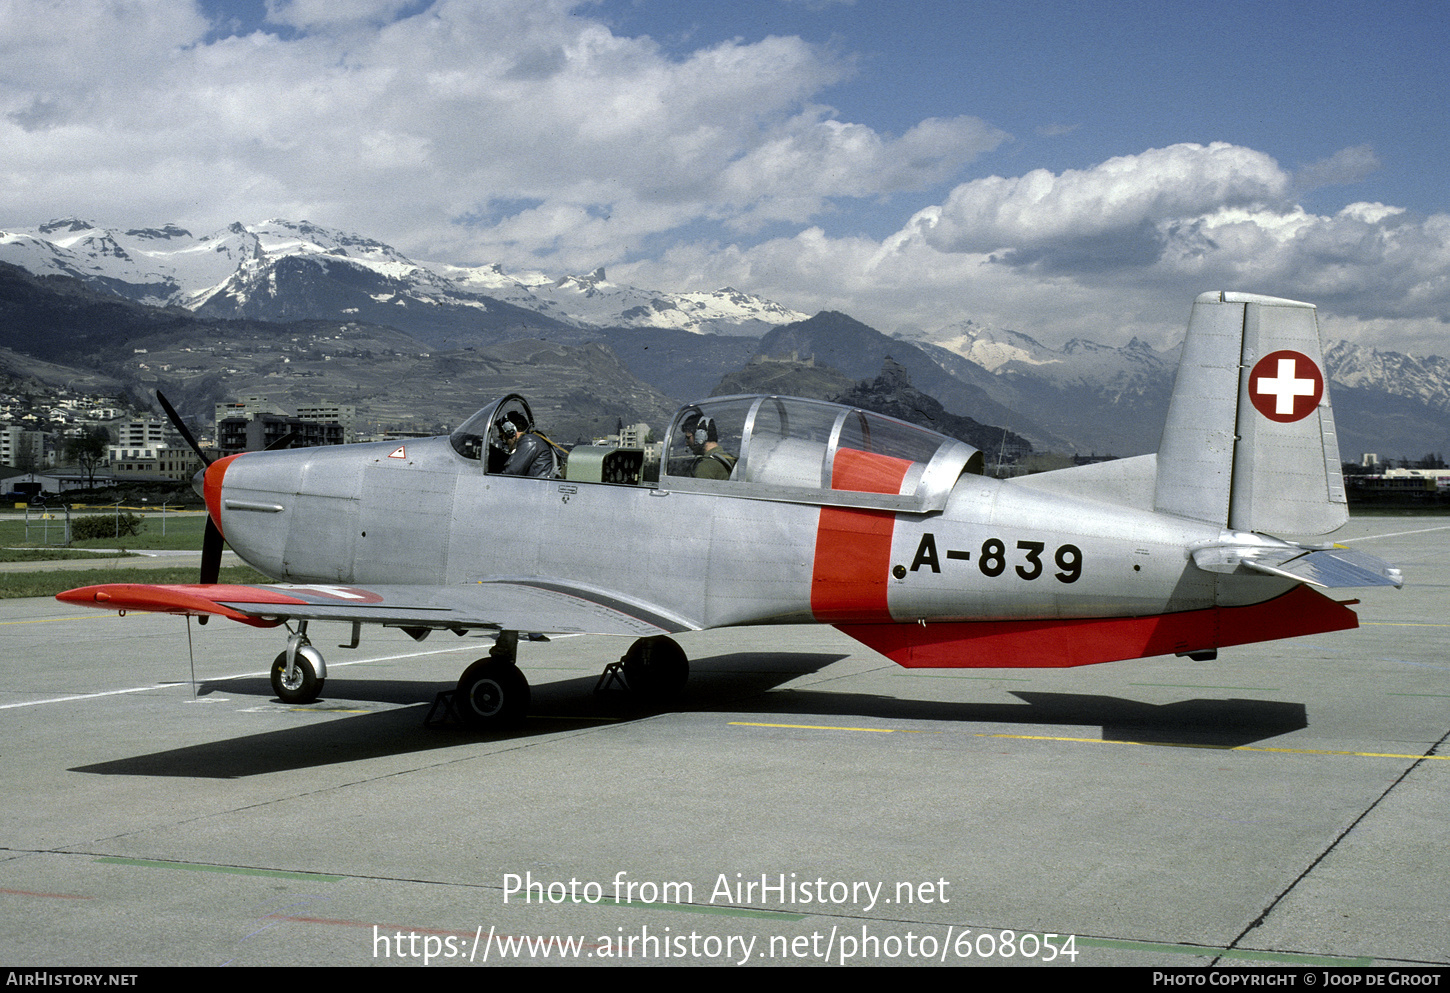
<point x="604" y="302"/>
<point x="593" y="300"/>
<point x="1422" y="378"/>
<point x="141" y="265"/>
<point x="1085" y="395"/>
<point x="1114" y="399"/>
<point x="1105" y="399"/>
<point x="286" y="270"/>
<point x="987" y="346"/>
<point x="1004" y="352"/>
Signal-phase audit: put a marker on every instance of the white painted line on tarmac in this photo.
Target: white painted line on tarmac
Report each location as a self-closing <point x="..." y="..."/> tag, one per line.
<point x="1397" y="534"/>
<point x="83" y="696"/>
<point x="214" y="679"/>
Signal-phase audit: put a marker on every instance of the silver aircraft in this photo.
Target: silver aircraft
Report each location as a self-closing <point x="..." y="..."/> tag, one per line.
<point x="777" y="510"/>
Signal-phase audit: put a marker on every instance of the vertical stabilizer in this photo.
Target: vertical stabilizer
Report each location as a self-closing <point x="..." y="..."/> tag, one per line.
<point x="1249" y="442"/>
<point x="1195" y="458"/>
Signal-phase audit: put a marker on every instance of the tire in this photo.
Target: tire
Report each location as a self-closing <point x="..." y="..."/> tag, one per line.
<point x="656" y="669"/>
<point x="304" y="686"/>
<point x="492" y="695"/>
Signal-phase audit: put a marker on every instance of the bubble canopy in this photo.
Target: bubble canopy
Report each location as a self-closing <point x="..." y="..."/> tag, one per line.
<point x="788" y="448"/>
<point x="785" y="449"/>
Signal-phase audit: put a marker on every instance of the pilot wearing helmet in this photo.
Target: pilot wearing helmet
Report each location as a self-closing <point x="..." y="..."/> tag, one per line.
<point x="528" y="454"/>
<point x="711" y="461"/>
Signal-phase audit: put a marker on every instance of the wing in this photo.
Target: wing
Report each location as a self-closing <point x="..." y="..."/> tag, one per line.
<point x="543" y="605"/>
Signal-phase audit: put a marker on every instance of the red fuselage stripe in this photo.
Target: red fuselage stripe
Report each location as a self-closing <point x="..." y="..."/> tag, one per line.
<point x="853" y="547"/>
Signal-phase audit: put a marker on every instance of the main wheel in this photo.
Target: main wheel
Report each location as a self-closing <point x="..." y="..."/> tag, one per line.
<point x="492" y="695"/>
<point x="304" y="686"/>
<point x="656" y="669"/>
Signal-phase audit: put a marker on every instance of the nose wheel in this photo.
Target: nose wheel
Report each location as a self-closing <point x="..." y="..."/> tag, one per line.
<point x="302" y="684"/>
<point x="299" y="673"/>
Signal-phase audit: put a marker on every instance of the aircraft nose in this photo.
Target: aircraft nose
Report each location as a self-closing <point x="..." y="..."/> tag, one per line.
<point x="208" y="483"/>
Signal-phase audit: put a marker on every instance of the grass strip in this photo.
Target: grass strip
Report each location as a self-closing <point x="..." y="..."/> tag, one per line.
<point x="182" y="532"/>
<point x="51" y="582"/>
<point x="53" y="554"/>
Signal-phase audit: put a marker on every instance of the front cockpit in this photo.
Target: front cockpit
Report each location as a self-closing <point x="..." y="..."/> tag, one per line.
<point x="480" y="436"/>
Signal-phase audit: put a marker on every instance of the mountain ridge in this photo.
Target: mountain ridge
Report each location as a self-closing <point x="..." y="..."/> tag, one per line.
<point x="1084" y="396"/>
<point x="232" y="273"/>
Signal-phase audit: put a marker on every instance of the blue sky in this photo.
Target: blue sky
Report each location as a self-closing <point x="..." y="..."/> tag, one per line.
<point x="1063" y="169"/>
<point x="1077" y="83"/>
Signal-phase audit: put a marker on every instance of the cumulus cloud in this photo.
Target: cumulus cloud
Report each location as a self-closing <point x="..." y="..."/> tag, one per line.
<point x="791" y="176"/>
<point x="1366" y="261"/>
<point x="1348" y="165"/>
<point x="408" y="123"/>
<point x="530" y="133"/>
<point x="1114" y="202"/>
<point x="309" y="14"/>
<point x="1112" y="251"/>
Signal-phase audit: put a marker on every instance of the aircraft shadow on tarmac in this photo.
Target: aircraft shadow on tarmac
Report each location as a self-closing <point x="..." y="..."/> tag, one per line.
<point x="1200" y="723"/>
<point x="723" y="683"/>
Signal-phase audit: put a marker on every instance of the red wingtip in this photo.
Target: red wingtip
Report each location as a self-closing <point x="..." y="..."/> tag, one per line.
<point x="197" y="600"/>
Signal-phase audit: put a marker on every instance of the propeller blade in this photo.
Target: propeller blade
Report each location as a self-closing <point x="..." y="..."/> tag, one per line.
<point x="283" y="442"/>
<point x="211" y="553"/>
<point x="212" y="541"/>
<point x="181" y="428"/>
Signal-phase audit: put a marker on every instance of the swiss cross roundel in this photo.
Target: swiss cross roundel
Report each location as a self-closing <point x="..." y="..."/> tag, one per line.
<point x="1286" y="386"/>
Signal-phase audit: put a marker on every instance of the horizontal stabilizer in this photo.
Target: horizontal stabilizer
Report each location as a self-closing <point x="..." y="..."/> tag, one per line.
<point x="1330" y="568"/>
<point x="1336" y="568"/>
<point x="1120" y="482"/>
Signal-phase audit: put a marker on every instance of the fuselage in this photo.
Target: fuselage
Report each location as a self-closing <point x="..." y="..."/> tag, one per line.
<point x="772" y="509"/>
<point x="723" y="554"/>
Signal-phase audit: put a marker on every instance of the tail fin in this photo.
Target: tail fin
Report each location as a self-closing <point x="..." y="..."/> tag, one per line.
<point x="1249" y="442"/>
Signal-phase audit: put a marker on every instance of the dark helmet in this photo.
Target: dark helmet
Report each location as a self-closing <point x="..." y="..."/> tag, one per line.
<point x="512" y="424"/>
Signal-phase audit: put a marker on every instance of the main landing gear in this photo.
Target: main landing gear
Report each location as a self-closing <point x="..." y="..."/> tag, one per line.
<point x="492" y="694"/>
<point x="655" y="670"/>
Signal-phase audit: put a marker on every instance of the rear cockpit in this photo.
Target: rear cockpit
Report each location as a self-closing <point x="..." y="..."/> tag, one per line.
<point x="810" y="451"/>
<point x="765" y="448"/>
